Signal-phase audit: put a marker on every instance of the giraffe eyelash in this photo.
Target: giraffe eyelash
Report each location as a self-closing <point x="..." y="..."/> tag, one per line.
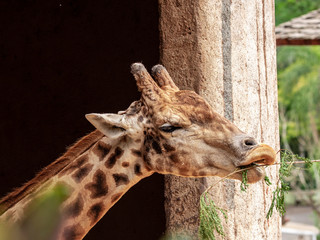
<point x="168" y="128"/>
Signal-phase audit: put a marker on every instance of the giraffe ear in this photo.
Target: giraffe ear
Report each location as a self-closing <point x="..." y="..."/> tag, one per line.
<point x="111" y="125"/>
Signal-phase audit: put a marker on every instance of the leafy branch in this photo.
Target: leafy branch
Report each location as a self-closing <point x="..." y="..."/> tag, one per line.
<point x="287" y="161"/>
<point x="210" y="221"/>
<point x="209" y="218"/>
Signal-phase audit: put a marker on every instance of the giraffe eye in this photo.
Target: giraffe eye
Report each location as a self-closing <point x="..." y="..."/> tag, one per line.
<point x="168" y="128"/>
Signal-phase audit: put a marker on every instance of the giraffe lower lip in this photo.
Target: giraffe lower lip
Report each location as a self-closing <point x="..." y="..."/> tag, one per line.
<point x="255" y="172"/>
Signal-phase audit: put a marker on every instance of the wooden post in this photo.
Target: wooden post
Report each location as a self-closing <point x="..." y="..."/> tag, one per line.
<point x="225" y="51"/>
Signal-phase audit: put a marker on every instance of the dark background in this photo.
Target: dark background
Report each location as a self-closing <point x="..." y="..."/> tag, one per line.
<point x="58" y="61"/>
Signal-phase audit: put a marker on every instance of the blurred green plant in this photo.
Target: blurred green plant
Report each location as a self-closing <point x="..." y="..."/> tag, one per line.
<point x="288" y="9"/>
<point x="299" y="111"/>
<point x="299" y="105"/>
<point x="41" y="218"/>
<point x="299" y="99"/>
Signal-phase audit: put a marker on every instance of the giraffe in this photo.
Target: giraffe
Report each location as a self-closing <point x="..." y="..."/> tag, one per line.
<point x="168" y="131"/>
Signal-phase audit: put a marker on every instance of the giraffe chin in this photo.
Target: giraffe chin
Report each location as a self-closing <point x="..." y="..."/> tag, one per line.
<point x="263" y="155"/>
<point x="256" y="174"/>
<point x="253" y="175"/>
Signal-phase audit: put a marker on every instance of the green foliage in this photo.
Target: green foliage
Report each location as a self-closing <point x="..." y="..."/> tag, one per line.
<point x="267" y="180"/>
<point x="210" y="221"/>
<point x="299" y="105"/>
<point x="41" y="217"/>
<point x="244" y="183"/>
<point x="286" y="164"/>
<point x="299" y="99"/>
<point x="299" y="86"/>
<point x="287" y="160"/>
<point x="288" y="9"/>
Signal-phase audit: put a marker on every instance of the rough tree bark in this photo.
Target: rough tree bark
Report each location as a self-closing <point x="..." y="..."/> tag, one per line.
<point x="225" y="50"/>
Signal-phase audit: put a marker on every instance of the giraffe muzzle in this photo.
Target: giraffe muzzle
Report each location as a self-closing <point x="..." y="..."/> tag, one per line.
<point x="255" y="161"/>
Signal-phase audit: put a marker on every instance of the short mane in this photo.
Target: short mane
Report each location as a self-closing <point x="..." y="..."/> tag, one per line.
<point x="55" y="167"/>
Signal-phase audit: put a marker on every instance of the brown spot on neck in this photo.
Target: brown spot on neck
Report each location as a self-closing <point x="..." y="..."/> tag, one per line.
<point x="101" y="150"/>
<point x="74" y="232"/>
<point x="136" y="152"/>
<point x="48" y="172"/>
<point x="82" y="172"/>
<point x="75" y="207"/>
<point x="98" y="187"/>
<point x="120" y="179"/>
<point x="95" y="212"/>
<point x="137" y="169"/>
<point x="125" y="164"/>
<point x="118" y="152"/>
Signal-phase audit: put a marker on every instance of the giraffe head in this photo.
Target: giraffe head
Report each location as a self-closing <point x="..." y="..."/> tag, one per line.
<point x="180" y="133"/>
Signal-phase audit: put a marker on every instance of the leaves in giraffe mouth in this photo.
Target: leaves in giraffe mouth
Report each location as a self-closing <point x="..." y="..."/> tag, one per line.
<point x="258" y="163"/>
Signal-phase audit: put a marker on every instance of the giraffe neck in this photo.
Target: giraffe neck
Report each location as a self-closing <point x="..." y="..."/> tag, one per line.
<point x="107" y="171"/>
<point x="97" y="179"/>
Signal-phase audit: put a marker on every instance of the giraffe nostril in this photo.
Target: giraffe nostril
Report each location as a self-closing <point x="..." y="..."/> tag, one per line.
<point x="243" y="143"/>
<point x="250" y="142"/>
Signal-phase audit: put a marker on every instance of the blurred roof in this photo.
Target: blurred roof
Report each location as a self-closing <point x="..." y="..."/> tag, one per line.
<point x="303" y="30"/>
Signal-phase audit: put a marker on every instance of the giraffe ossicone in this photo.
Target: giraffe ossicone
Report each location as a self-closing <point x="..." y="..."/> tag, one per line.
<point x="169" y="131"/>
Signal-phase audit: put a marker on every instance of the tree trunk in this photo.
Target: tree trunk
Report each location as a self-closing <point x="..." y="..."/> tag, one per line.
<point x="225" y="51"/>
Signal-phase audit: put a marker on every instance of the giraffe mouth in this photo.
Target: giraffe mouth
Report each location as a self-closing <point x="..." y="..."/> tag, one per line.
<point x="255" y="161"/>
<point x="262" y="155"/>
